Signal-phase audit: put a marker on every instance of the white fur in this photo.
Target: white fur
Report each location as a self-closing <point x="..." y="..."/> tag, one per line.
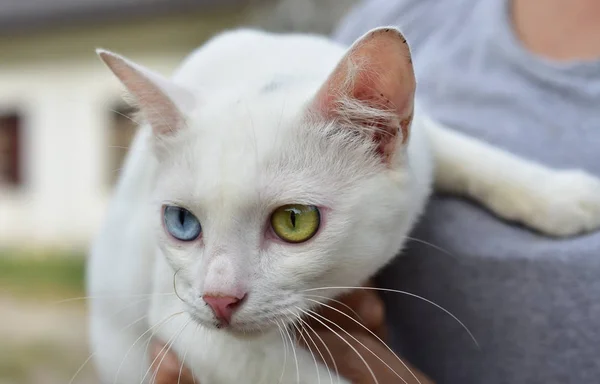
<point x="245" y="151"/>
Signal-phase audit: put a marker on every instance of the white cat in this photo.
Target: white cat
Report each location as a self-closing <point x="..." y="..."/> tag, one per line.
<point x="271" y="166"/>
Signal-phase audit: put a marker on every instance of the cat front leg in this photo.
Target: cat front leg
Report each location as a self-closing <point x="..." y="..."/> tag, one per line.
<point x="554" y="202"/>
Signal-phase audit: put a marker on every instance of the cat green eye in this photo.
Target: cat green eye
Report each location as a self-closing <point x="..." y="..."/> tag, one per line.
<point x="296" y="223"/>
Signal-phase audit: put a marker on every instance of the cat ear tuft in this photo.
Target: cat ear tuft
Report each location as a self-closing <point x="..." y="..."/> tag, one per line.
<point x="162" y="103"/>
<point x="372" y="89"/>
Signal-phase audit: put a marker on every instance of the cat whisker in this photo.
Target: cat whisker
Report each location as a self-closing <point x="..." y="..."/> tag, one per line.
<point x="304" y="326"/>
<point x="81" y="367"/>
<point x="310" y="313"/>
<point x="374" y="335"/>
<point x="175" y="286"/>
<point x="168" y="349"/>
<point x="154" y="111"/>
<point x="411" y="295"/>
<point x="326" y="348"/>
<point x="438" y="248"/>
<point x="306" y="341"/>
<point x="284" y="341"/>
<point x="106" y="297"/>
<point x="156" y="328"/>
<point x="159" y="324"/>
<point x="294" y="351"/>
<point x="120" y="311"/>
<point x="340" y="303"/>
<point x="94" y="353"/>
<point x="184" y="356"/>
<point x="192" y="368"/>
<point x="164" y="353"/>
<point x="125" y="116"/>
<point x="365" y="347"/>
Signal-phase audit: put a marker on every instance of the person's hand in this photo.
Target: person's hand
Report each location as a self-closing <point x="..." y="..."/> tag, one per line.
<point x="361" y="315"/>
<point x="167" y="367"/>
<point x="360" y="329"/>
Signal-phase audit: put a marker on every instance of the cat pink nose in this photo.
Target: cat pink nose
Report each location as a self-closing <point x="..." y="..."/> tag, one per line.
<point x="223" y="306"/>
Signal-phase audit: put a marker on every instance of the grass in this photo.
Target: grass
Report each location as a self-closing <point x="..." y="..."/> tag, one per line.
<point x="54" y="345"/>
<point x="44" y="361"/>
<point x="16" y="360"/>
<point x="42" y="274"/>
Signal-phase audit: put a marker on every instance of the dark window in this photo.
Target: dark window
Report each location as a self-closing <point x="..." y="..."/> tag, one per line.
<point x="121" y="133"/>
<point x="10" y="150"/>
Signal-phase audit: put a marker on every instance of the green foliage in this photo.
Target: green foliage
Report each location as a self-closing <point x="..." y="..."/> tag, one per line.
<point x="48" y="273"/>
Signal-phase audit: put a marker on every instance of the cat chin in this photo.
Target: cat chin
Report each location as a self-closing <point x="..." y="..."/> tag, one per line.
<point x="246" y="333"/>
<point x="240" y="331"/>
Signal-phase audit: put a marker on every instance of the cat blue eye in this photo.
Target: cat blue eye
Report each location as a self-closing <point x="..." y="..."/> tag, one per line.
<point x="181" y="223"/>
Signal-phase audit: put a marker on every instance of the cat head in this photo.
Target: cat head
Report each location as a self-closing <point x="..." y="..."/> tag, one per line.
<point x="264" y="201"/>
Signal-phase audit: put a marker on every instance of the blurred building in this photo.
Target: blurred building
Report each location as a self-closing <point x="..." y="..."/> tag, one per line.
<point x="63" y="127"/>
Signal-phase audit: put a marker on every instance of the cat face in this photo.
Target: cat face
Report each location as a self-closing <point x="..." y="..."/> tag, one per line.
<point x="263" y="201"/>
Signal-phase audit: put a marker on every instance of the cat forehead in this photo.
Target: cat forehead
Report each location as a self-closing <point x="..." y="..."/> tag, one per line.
<point x="240" y="136"/>
<point x="244" y="148"/>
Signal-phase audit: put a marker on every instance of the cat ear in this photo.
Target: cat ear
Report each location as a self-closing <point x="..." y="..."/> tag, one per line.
<point x="162" y="103"/>
<point x="372" y="88"/>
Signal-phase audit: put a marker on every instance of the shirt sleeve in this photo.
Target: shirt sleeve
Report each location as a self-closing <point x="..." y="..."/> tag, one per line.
<point x="417" y="19"/>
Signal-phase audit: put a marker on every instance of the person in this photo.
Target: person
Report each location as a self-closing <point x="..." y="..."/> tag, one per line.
<point x="523" y="75"/>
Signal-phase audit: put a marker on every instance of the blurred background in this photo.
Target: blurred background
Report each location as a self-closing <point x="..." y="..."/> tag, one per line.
<point x="64" y="132"/>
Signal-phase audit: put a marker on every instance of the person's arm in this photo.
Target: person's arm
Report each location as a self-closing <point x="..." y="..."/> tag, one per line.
<point x="417" y="19"/>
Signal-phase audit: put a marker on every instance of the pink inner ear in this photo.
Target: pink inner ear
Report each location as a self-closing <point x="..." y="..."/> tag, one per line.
<point x="376" y="73"/>
<point x="151" y="93"/>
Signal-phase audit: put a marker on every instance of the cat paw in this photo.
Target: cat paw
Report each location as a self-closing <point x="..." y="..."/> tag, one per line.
<point x="559" y="203"/>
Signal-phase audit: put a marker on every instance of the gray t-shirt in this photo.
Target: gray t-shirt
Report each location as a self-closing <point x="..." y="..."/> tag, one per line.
<point x="533" y="303"/>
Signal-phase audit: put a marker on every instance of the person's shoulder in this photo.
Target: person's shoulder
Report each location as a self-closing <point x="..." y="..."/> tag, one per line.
<point x="417" y="19"/>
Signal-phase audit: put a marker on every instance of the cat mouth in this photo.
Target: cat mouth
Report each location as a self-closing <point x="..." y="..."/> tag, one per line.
<point x="235" y="328"/>
<point x="242" y="331"/>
